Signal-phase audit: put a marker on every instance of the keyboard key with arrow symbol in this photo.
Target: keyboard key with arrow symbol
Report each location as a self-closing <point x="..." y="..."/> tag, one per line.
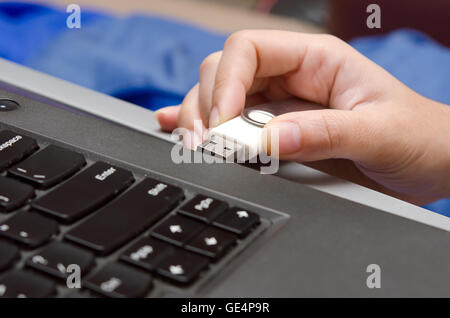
<point x="212" y="242"/>
<point x="177" y="230"/>
<point x="238" y="221"/>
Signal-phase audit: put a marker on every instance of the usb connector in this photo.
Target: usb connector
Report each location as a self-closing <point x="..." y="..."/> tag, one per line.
<point x="234" y="140"/>
<point x="222" y="148"/>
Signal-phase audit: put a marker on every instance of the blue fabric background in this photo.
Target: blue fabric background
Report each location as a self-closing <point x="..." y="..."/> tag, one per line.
<point x="147" y="60"/>
<point x="153" y="62"/>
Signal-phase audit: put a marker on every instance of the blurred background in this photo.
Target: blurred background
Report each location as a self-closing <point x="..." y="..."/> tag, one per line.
<point x="148" y="51"/>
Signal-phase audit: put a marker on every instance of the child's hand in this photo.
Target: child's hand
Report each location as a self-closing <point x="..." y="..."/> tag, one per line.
<point x="376" y="132"/>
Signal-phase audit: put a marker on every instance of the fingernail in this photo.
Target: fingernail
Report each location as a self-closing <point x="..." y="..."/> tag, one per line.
<point x="159" y="111"/>
<point x="214" y="117"/>
<point x="288" y="137"/>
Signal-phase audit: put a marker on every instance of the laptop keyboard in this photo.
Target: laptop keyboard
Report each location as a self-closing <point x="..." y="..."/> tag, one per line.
<point x="123" y="231"/>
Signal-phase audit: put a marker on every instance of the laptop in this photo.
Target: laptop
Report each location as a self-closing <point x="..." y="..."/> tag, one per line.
<point x="93" y="206"/>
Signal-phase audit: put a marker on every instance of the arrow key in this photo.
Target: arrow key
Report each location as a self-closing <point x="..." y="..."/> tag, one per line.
<point x="182" y="267"/>
<point x="177" y="230"/>
<point x="212" y="242"/>
<point x="238" y="221"/>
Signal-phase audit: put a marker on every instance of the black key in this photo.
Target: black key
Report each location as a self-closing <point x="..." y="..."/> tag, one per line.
<point x="147" y="253"/>
<point x="212" y="242"/>
<point x="27" y="228"/>
<point x="126" y="217"/>
<point x="20" y="284"/>
<point x="177" y="230"/>
<point x="14" y="147"/>
<point x="85" y="192"/>
<point x="182" y="267"/>
<point x="237" y="220"/>
<point x="13" y="194"/>
<point x="55" y="258"/>
<point x="203" y="208"/>
<point x="48" y="167"/>
<point x="8" y="255"/>
<point x="120" y="281"/>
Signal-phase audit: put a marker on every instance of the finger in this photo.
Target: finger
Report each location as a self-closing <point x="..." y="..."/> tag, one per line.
<point x="189" y="111"/>
<point x="208" y="70"/>
<point x="167" y="117"/>
<point x="312" y="67"/>
<point x="329" y="133"/>
<point x="189" y="117"/>
<point x="257" y="92"/>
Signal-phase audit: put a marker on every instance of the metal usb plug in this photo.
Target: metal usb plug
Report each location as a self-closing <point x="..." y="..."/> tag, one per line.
<point x="234" y="140"/>
<point x="222" y="147"/>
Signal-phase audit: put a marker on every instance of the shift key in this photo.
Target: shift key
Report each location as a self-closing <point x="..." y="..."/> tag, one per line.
<point x="84" y="192"/>
<point x="127" y="216"/>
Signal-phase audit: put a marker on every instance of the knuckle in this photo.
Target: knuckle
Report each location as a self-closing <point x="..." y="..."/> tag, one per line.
<point x="332" y="131"/>
<point x="332" y="39"/>
<point x="333" y="42"/>
<point x="238" y="37"/>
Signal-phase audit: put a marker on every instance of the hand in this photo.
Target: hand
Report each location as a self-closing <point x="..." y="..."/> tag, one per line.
<point x="376" y="131"/>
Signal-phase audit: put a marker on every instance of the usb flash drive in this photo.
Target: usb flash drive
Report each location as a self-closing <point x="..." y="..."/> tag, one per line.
<point x="241" y="137"/>
<point x="236" y="138"/>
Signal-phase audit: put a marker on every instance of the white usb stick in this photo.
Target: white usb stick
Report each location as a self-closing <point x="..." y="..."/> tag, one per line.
<point x="241" y="137"/>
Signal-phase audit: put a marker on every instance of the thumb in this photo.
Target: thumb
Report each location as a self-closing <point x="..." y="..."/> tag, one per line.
<point x="324" y="134"/>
